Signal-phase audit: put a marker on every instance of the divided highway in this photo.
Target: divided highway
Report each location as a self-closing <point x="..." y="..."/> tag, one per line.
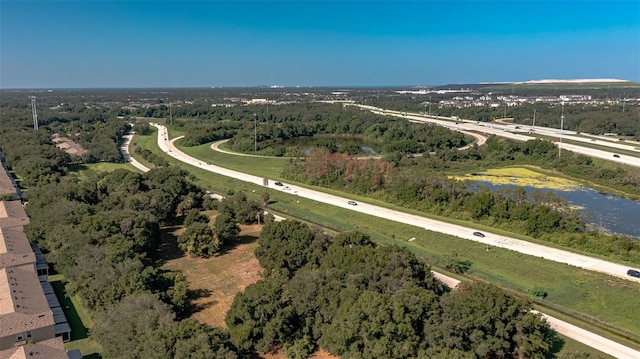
<point x="571" y="331"/>
<point x="491" y="239"/>
<point x="525" y="133"/>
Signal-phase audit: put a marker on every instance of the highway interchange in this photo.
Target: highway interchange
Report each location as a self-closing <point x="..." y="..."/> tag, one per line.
<point x="526" y="133"/>
<point x="490" y="239"/>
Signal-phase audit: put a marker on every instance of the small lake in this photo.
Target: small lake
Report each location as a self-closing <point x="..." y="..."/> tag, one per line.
<point x="614" y="214"/>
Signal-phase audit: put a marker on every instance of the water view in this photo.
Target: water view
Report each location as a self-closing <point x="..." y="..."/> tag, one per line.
<point x="612" y="213"/>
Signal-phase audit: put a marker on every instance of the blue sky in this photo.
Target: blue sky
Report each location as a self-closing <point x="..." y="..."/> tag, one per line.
<point x="69" y="44"/>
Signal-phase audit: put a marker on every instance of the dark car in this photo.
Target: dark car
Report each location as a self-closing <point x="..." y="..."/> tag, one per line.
<point x="633" y="273"/>
<point x="478" y="234"/>
<point x="352" y="203"/>
<point x="616" y="156"/>
<point x="278" y="183"/>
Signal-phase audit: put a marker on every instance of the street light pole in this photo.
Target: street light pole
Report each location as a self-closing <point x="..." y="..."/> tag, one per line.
<point x="255" y="132"/>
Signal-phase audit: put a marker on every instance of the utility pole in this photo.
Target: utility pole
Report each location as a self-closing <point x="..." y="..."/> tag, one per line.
<point x="561" y="129"/>
<point x="534" y="119"/>
<point x="255" y="133"/>
<point x="34" y="113"/>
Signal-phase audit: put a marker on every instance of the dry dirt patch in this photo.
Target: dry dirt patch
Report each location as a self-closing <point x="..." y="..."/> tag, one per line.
<point x="215" y="281"/>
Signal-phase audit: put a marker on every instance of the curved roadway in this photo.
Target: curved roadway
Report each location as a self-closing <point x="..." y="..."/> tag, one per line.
<point x="495" y="240"/>
<point x="124" y="149"/>
<point x="509" y="131"/>
<point x="605" y="345"/>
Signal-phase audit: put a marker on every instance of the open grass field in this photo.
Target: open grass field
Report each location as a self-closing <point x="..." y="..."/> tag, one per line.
<point x="269" y="167"/>
<point x="597" y="296"/>
<point x="91" y="170"/>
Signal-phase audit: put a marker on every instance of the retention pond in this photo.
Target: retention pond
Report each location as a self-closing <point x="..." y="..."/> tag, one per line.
<point x="611" y="213"/>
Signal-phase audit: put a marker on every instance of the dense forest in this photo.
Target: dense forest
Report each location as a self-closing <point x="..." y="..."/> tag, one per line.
<point x="293" y="121"/>
<point x="359" y="300"/>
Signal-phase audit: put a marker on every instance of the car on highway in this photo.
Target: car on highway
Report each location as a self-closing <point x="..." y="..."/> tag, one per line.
<point x="278" y="183"/>
<point x="478" y="234"/>
<point x="633" y="273"/>
<point x="352" y="203"/>
<point x="287" y="188"/>
<point x="616" y="156"/>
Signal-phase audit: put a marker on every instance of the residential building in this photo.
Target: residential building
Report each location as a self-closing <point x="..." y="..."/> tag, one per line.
<point x="47" y="349"/>
<point x="29" y="309"/>
<point x="24" y="312"/>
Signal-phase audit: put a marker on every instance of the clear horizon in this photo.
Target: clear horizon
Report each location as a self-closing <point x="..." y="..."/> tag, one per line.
<point x="163" y="44"/>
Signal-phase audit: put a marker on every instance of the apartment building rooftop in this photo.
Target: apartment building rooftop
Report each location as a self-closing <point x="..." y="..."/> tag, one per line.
<point x="47" y="349"/>
<point x="15" y="249"/>
<point x="7" y="185"/>
<point x="12" y="214"/>
<point x="23" y="306"/>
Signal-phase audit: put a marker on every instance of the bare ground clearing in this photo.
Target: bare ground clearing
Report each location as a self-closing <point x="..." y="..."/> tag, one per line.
<point x="215" y="281"/>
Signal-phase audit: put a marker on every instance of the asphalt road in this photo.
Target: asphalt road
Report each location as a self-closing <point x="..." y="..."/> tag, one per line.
<point x="593" y="340"/>
<point x="581" y="335"/>
<point x="124" y="149"/>
<point x="509" y="131"/>
<point x="490" y="239"/>
<point x="569" y="330"/>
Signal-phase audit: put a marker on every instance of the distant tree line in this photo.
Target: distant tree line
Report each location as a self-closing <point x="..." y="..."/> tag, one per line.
<point x="286" y="122"/>
<point x="309" y="120"/>
<point x="31" y="154"/>
<point x="94" y="129"/>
